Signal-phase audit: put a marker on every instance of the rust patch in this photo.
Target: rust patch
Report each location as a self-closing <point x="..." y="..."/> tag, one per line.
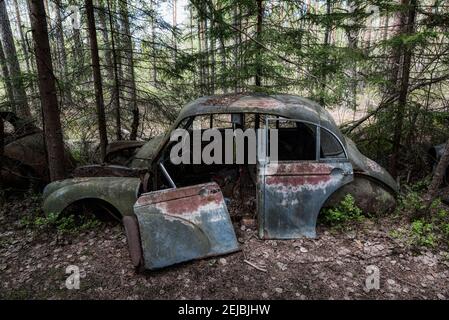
<point x="223" y="100"/>
<point x="256" y="102"/>
<point x="289" y="181"/>
<point x="373" y="165"/>
<point x="299" y="168"/>
<point x="190" y="206"/>
<point x="179" y="193"/>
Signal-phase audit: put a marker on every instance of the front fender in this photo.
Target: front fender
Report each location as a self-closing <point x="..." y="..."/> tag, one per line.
<point x="119" y="192"/>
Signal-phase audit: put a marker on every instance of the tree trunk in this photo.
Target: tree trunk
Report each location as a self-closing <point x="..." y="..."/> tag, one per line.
<point x="22" y="37"/>
<point x="260" y="11"/>
<point x="206" y="49"/>
<point x="200" y="51"/>
<point x="212" y="53"/>
<point x="352" y="34"/>
<point x="6" y="78"/>
<point x="192" y="46"/>
<point x="407" y="26"/>
<point x="131" y="76"/>
<point x="222" y="50"/>
<point x="237" y="46"/>
<point x="97" y="78"/>
<point x="47" y="89"/>
<point x="153" y="45"/>
<point x="327" y="32"/>
<point x="175" y="23"/>
<point x="107" y="53"/>
<point x="21" y="104"/>
<point x="2" y="144"/>
<point x="78" y="49"/>
<point x="116" y="92"/>
<point x="60" y="42"/>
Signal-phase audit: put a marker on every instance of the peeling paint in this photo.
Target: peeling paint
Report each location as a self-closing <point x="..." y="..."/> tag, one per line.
<point x="183" y="224"/>
<point x="293" y="193"/>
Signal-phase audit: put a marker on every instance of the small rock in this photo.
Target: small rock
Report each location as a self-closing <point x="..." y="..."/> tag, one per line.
<point x="351" y="234"/>
<point x="264" y="295"/>
<point x="440" y="296"/>
<point x="296" y="244"/>
<point x="223" y="261"/>
<point x="303" y="250"/>
<point x="249" y="223"/>
<point x="279" y="290"/>
<point x="391" y="282"/>
<point x="282" y="266"/>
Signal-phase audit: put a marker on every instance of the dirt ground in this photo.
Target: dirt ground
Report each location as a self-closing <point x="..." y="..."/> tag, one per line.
<point x="333" y="266"/>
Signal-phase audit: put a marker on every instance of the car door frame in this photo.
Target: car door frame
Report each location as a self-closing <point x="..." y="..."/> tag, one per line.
<point x="290" y="194"/>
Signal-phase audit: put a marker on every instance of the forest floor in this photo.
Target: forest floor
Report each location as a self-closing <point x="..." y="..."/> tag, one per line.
<point x="33" y="265"/>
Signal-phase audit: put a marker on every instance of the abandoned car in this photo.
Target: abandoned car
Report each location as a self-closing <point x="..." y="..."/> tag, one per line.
<point x="123" y="158"/>
<point x="179" y="212"/>
<point x="24" y="161"/>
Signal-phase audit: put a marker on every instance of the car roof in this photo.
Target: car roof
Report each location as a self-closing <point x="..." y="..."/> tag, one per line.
<point x="282" y="105"/>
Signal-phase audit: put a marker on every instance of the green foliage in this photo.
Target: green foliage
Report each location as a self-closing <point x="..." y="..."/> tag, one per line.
<point x="410" y="202"/>
<point x="429" y="225"/>
<point x="346" y="211"/>
<point x="79" y="156"/>
<point x="63" y="224"/>
<point x="422" y="233"/>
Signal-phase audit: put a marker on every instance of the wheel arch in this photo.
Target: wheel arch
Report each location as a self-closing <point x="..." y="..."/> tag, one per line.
<point x="370" y="194"/>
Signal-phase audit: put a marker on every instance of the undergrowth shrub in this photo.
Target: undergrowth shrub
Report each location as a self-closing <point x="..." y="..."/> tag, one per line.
<point x="428" y="225"/>
<point x="345" y="212"/>
<point x="63" y="224"/>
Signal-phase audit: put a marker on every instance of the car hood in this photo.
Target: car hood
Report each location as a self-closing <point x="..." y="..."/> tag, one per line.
<point x="146" y="153"/>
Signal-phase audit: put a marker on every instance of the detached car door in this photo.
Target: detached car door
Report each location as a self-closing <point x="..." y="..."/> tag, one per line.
<point x="179" y="224"/>
<point x="311" y="164"/>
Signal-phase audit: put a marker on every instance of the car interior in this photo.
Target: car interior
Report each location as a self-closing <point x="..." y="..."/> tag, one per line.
<point x="296" y="141"/>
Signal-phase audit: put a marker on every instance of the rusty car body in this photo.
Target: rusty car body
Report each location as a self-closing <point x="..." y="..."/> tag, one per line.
<point x="24" y="161"/>
<point x="121" y="151"/>
<point x="175" y="213"/>
<point x="123" y="158"/>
